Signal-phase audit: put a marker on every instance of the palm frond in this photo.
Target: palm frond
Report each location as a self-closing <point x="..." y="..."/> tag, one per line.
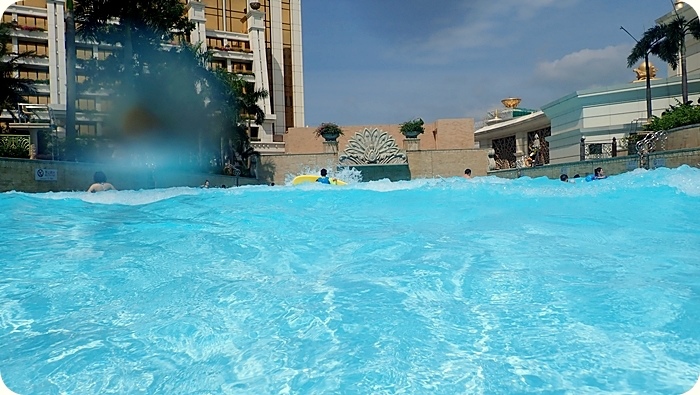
<point x="646" y="44"/>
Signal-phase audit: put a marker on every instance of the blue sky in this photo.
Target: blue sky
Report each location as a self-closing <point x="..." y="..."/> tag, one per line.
<point x="387" y="61"/>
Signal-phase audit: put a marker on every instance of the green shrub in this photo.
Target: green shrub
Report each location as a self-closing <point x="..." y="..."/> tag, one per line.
<point x="413" y="127"/>
<point x="328" y="127"/>
<point x="682" y="114"/>
<point x="14" y="152"/>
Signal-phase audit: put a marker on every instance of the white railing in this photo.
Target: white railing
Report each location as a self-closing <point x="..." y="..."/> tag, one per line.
<point x="268" y="147"/>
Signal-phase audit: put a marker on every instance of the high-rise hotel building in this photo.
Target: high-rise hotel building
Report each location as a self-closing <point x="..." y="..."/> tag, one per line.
<point x="259" y="40"/>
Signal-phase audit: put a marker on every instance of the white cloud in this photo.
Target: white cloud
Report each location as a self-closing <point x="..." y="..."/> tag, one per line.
<point x="482" y="26"/>
<point x="587" y="68"/>
<point x="530" y="8"/>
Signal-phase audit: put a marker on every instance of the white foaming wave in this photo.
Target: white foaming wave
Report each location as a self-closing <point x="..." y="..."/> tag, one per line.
<point x="686" y="180"/>
<point x="346" y="174"/>
<point x="126" y="197"/>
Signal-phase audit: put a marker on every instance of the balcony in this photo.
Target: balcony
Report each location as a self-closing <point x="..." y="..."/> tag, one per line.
<point x="268" y="147"/>
<point x="37" y="61"/>
<point x="227" y="35"/>
<point x="233" y="54"/>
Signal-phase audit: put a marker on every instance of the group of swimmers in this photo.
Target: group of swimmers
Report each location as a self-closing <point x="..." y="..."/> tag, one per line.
<point x="100" y="179"/>
<point x="206" y="185"/>
<point x="598" y="174"/>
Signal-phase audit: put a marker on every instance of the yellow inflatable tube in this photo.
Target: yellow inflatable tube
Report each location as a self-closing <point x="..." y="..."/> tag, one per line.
<point x="313" y="177"/>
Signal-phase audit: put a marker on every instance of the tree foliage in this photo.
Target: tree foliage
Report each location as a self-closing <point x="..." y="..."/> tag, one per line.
<point x="164" y="93"/>
<point x="236" y="102"/>
<point x="667" y="41"/>
<point x="682" y="114"/>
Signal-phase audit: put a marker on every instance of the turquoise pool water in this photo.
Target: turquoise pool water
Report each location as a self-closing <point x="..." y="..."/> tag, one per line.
<point x="446" y="286"/>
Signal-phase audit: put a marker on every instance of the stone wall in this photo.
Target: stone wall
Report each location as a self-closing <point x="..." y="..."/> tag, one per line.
<point x="422" y="164"/>
<point x="683" y="137"/>
<point x="440" y="135"/>
<point x="274" y="168"/>
<point x="20" y="175"/>
<point x="611" y="166"/>
<point x="447" y="163"/>
<point x="671" y="159"/>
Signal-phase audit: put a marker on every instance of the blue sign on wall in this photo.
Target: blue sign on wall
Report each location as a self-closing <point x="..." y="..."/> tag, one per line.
<point x="659" y="162"/>
<point x="46" y="174"/>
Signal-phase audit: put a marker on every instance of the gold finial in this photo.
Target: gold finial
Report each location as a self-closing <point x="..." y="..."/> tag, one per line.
<point x="511" y="102"/>
<point x="641" y="72"/>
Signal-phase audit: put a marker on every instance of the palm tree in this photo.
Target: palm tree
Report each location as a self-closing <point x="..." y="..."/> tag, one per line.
<point x="13" y="89"/>
<point x="642" y="51"/>
<point x="667" y="41"/>
<point x="143" y="25"/>
<point x="248" y="104"/>
<point x="673" y="48"/>
<point x="236" y="101"/>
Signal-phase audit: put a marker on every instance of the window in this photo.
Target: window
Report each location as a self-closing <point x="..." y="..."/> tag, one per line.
<point x="34" y="3"/>
<point x="595" y="149"/>
<point x="235" y="14"/>
<point x="86" y="105"/>
<point x="214" y="13"/>
<point x="215" y="43"/>
<point x="89" y="129"/>
<point x="33" y="74"/>
<point x="37" y="49"/>
<point x="218" y="64"/>
<point x="32" y="22"/>
<point x="254" y="133"/>
<point x="103" y="54"/>
<point x="38" y="99"/>
<point x="84" y="53"/>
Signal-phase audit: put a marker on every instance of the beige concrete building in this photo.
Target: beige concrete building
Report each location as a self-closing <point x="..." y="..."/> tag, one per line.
<point x="259" y="40"/>
<point x="439" y="135"/>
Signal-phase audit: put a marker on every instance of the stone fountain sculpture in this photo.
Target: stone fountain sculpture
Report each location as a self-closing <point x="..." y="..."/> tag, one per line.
<point x="372" y="147"/>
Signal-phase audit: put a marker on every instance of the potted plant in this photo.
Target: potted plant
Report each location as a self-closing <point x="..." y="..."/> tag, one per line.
<point x="329" y="131"/>
<point x="413" y="128"/>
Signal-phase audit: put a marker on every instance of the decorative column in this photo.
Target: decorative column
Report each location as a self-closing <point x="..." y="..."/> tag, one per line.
<point x="330" y="147"/>
<point x="492" y="159"/>
<point x="521" y="148"/>
<point x="33" y="143"/>
<point x="196" y="15"/>
<point x="57" y="51"/>
<point x="297" y="64"/>
<point x="277" y="85"/>
<point x="411" y="144"/>
<point x="256" y="35"/>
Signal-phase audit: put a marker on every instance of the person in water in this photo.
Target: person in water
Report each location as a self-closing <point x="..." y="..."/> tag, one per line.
<point x="598" y="174"/>
<point x="101" y="183"/>
<point x="467" y="173"/>
<point x="564" y="178"/>
<point x="324" y="177"/>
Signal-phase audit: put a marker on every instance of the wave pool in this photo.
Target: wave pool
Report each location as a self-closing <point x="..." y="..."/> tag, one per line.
<point x="444" y="286"/>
